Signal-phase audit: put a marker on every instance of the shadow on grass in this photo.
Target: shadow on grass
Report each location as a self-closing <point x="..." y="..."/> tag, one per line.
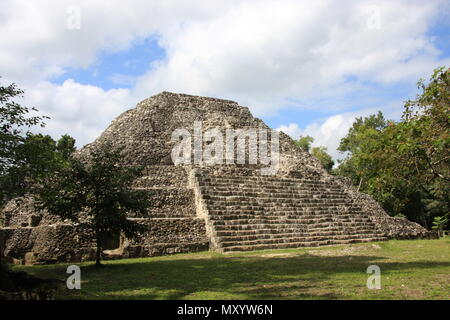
<point x="294" y="277"/>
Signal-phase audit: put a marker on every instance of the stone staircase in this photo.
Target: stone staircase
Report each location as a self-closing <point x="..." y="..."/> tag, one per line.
<point x="265" y="212"/>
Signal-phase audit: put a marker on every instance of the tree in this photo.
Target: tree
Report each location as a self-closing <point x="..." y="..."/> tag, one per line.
<point x="14" y="127"/>
<point x="36" y="156"/>
<point x="14" y="122"/>
<point x="359" y="145"/>
<point x="321" y="154"/>
<point x="405" y="164"/>
<point x="439" y="224"/>
<point x="97" y="190"/>
<point x="427" y="128"/>
<point x="304" y="142"/>
<point x="24" y="159"/>
<point x="66" y="146"/>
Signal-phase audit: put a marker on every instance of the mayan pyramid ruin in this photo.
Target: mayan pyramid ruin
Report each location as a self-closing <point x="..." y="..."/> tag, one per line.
<point x="228" y="207"/>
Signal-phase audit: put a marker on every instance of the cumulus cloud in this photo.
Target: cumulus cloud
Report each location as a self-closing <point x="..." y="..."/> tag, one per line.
<point x="264" y="54"/>
<point x="328" y="132"/>
<point x="81" y="111"/>
<point x="261" y="53"/>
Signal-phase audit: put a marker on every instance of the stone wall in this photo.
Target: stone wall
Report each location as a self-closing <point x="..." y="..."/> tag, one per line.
<point x="70" y="243"/>
<point x="48" y="244"/>
<point x="167" y="236"/>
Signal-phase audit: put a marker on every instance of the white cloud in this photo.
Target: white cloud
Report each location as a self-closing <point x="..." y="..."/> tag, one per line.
<point x="81" y="111"/>
<point x="264" y="54"/>
<point x="329" y="132"/>
<point x="292" y="129"/>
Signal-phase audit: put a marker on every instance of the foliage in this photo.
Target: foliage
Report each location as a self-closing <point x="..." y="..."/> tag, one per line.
<point x="439" y="223"/>
<point x="405" y="164"/>
<point x="65" y="146"/>
<point x="304" y="142"/>
<point x="321" y="154"/>
<point x="38" y="155"/>
<point x="99" y="190"/>
<point x="360" y="144"/>
<point x="14" y="125"/>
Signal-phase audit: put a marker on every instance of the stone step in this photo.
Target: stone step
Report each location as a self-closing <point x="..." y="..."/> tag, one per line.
<point x="248" y="201"/>
<point x="289" y="204"/>
<point x="274" y="225"/>
<point x="171" y="215"/>
<point x="162" y="175"/>
<point x="223" y="211"/>
<point x="267" y="197"/>
<point x="330" y="234"/>
<point x="293" y="215"/>
<point x="292" y="218"/>
<point x="301" y="194"/>
<point x="171" y="198"/>
<point x="281" y="211"/>
<point x="268" y="183"/>
<point x="298" y="244"/>
<point x="293" y="238"/>
<point x="252" y="187"/>
<point x="265" y="179"/>
<point x="299" y="229"/>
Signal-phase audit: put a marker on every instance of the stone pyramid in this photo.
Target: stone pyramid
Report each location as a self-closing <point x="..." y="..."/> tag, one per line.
<point x="223" y="207"/>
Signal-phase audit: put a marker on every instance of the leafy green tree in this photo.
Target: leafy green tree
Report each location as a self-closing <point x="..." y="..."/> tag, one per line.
<point x="97" y="192"/>
<point x="321" y="154"/>
<point x="405" y="164"/>
<point x="14" y="129"/>
<point x="38" y="155"/>
<point x="439" y="224"/>
<point x="360" y="145"/>
<point x="304" y="142"/>
<point x="427" y="128"/>
<point x="66" y="146"/>
<point x="14" y="124"/>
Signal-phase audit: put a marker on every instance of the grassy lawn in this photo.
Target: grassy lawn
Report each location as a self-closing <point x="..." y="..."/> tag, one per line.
<point x="417" y="269"/>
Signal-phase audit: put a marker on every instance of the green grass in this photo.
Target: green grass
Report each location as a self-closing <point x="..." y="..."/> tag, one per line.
<point x="416" y="269"/>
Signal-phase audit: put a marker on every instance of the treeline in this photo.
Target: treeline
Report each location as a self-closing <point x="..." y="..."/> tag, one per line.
<point x="403" y="164"/>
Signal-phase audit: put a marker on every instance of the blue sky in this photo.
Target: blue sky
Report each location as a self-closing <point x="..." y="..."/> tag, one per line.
<point x="111" y="70"/>
<point x="303" y="67"/>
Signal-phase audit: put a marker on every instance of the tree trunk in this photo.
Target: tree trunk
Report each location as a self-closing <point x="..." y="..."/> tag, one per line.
<point x="3" y="267"/>
<point x="2" y="263"/>
<point x="360" y="182"/>
<point x="99" y="252"/>
<point x="6" y="282"/>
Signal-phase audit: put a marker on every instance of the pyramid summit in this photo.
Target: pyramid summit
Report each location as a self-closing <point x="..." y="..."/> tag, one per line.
<point x="198" y="206"/>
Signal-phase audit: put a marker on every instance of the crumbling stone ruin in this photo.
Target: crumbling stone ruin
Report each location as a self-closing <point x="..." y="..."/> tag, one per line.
<point x="229" y="207"/>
